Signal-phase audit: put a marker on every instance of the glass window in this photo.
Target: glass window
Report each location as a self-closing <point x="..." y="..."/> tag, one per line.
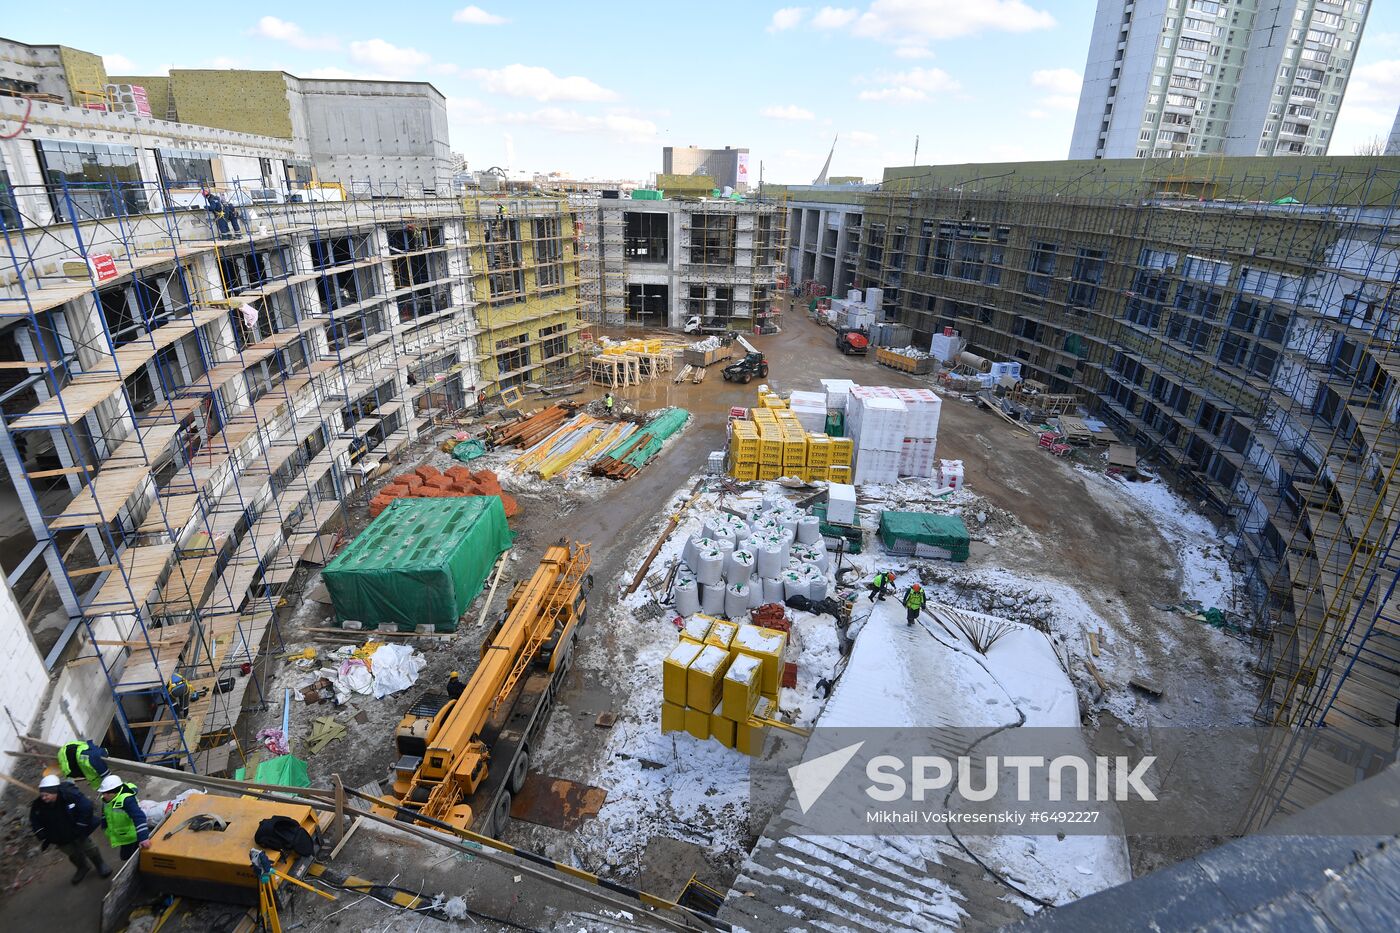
<point x="9" y="209"/>
<point x="185" y="168"/>
<point x="87" y="180"/>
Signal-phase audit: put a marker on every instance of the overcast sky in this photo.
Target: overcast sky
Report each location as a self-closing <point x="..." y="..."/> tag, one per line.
<point x="596" y="89"/>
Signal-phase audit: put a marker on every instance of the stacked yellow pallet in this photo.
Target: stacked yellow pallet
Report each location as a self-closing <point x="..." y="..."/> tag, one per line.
<point x="773" y="444"/>
<point x="718" y="678"/>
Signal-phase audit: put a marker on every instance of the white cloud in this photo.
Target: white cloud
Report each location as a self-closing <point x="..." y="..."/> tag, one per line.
<point x="389" y="58"/>
<point x="119" y="65"/>
<point x="790" y="112"/>
<point x="280" y="30"/>
<point x="905" y="20"/>
<point x="446" y="68"/>
<point x="619" y="126"/>
<point x="786" y="18"/>
<point x="1063" y="85"/>
<point x="912" y="51"/>
<point x="1368" y="109"/>
<point x="898" y="94"/>
<point x="832" y="17"/>
<point x="906" y="86"/>
<point x="476" y="16"/>
<point x="334" y="73"/>
<point x="539" y="84"/>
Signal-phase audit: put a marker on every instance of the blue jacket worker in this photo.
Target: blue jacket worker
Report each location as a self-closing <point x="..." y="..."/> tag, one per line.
<point x="62" y="816"/>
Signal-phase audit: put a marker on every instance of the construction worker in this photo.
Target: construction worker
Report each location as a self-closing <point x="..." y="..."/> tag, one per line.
<point x="123" y="820"/>
<point x="180" y="695"/>
<point x="62" y="816"/>
<point x="914" y="602"/>
<point x="81" y="757"/>
<point x="608" y="402"/>
<point x="455" y="685"/>
<point x="881" y="585"/>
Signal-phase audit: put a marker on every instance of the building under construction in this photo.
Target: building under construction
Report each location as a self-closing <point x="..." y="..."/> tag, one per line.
<point x="665" y="257"/>
<point x="188" y="401"/>
<point x="1235" y="318"/>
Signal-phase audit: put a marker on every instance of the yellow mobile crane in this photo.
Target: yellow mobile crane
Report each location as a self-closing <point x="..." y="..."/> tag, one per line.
<point x="461" y="760"/>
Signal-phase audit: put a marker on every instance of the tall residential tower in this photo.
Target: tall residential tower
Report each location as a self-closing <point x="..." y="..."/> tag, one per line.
<point x="1238" y="77"/>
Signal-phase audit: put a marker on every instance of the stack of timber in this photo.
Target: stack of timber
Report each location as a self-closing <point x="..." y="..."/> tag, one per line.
<point x="625" y="459"/>
<point x="530" y="430"/>
<point x="580" y="439"/>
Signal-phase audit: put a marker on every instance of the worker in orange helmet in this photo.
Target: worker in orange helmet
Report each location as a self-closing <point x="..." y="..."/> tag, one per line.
<point x="914" y="602"/>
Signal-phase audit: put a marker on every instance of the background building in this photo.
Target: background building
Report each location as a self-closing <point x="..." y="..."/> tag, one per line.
<point x="1241" y="338"/>
<point x="1392" y="145"/>
<point x="727" y="167"/>
<point x="1242" y="77"/>
<point x="657" y="263"/>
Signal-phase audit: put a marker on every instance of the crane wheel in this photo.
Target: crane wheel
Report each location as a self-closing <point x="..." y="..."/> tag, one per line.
<point x="500" y="817"/>
<point x="518" y="773"/>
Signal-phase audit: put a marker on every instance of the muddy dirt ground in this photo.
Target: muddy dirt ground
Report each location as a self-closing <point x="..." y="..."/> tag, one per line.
<point x="1112" y="556"/>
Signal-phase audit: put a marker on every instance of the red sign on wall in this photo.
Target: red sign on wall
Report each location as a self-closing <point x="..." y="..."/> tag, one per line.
<point x="104" y="267"/>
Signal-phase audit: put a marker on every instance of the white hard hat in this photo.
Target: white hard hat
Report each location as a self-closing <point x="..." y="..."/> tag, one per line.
<point x="49" y="780"/>
<point x="110" y="783"/>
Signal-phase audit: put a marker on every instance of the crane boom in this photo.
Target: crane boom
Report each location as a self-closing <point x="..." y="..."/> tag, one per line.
<point x="450" y="748"/>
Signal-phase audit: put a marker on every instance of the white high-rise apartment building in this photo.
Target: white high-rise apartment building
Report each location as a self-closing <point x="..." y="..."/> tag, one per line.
<point x="1239" y="77"/>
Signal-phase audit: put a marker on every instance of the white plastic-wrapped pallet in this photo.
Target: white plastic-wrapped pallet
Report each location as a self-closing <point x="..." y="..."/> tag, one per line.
<point x="710" y="569"/>
<point x="809" y="529"/>
<point x="712" y="599"/>
<point x="689" y="551"/>
<point x="687" y="597"/>
<point x="772" y="590"/>
<point x="725" y="546"/>
<point x="740" y="565"/>
<point x="736" y="600"/>
<point x="817" y="587"/>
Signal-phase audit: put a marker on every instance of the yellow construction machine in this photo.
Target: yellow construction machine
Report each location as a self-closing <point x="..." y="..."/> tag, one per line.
<point x="461" y="760"/>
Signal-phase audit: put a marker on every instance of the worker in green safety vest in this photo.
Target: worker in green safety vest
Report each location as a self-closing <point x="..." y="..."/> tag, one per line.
<point x="914" y="602"/>
<point x="881" y="585"/>
<point x="608" y="402"/>
<point x="85" y="758"/>
<point x="123" y="820"/>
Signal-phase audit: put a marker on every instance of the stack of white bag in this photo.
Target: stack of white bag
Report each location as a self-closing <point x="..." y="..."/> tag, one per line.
<point x="734" y="565"/>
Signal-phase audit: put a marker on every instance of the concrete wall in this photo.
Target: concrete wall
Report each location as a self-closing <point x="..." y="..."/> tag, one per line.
<point x="387" y="133"/>
<point x="35" y="64"/>
<point x="25" y="682"/>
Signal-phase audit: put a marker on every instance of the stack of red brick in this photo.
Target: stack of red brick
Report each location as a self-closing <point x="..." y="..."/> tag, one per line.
<point x="428" y="482"/>
<point x="771" y="615"/>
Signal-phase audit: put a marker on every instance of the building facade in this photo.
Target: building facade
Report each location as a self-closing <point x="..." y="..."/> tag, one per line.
<point x="824" y="224"/>
<point x="1169" y="78"/>
<point x="1238" y="336"/>
<point x="659" y="263"/>
<point x="728" y="167"/>
<point x="184" y="415"/>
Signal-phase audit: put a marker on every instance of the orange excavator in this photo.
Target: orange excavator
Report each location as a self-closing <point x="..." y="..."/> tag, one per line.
<point x="461" y="760"/>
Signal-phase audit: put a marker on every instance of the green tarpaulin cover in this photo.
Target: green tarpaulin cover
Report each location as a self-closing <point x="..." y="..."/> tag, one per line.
<point x="421" y="562"/>
<point x="944" y="531"/>
<point x="468" y="451"/>
<point x="284" y="771"/>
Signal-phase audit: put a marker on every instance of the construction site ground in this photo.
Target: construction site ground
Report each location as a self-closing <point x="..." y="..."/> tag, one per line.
<point x="1055" y="543"/>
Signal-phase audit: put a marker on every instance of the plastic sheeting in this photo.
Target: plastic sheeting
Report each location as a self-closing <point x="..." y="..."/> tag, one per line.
<point x="422" y="561"/>
<point x="395" y="668"/>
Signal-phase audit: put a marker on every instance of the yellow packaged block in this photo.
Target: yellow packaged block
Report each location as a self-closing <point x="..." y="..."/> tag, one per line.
<point x="769" y="470"/>
<point x="815" y="473"/>
<point x="818" y="450"/>
<point x="675" y="671"/>
<point x="745" y="472"/>
<point x="741" y="684"/>
<point x="770" y="450"/>
<point x="697" y="723"/>
<point x="705" y="678"/>
<point x="672" y="717"/>
<point x="767" y="646"/>
<point x="838" y="474"/>
<point x="722" y="730"/>
<point x="696" y="628"/>
<point x="721" y="634"/>
<point x="842" y="448"/>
